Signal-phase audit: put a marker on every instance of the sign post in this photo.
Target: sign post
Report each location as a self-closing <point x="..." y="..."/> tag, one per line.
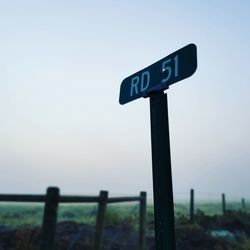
<point x="151" y="82"/>
<point x="162" y="176"/>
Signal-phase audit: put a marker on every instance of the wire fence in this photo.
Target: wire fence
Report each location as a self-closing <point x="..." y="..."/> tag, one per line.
<point x="191" y="202"/>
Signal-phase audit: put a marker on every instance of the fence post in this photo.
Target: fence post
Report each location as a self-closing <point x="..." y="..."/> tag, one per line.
<point x="103" y="199"/>
<point x="223" y="204"/>
<point x="192" y="206"/>
<point x="49" y="219"/>
<point x="142" y="220"/>
<point x="243" y="204"/>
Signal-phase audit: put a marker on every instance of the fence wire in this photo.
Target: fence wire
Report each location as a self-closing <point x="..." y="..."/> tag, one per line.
<point x="209" y="203"/>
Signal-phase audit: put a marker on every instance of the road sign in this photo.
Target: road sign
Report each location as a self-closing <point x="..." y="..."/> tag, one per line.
<point x="152" y="81"/>
<point x="158" y="76"/>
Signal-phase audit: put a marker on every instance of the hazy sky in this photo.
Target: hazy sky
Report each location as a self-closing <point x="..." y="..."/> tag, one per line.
<point x="61" y="66"/>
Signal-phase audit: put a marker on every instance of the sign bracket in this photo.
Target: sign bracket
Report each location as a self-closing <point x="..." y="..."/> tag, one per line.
<point x="155" y="89"/>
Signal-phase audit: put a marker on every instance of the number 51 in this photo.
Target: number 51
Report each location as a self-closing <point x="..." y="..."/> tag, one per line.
<point x="167" y="68"/>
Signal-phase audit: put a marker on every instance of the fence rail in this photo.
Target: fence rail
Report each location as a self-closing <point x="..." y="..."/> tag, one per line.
<point x="22" y="198"/>
<point x="53" y="198"/>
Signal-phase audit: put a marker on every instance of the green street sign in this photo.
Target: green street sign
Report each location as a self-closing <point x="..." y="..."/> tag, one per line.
<point x="158" y="76"/>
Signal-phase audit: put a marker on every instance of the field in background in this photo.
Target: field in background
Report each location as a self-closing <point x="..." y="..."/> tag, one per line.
<point x="31" y="214"/>
<point x="20" y="225"/>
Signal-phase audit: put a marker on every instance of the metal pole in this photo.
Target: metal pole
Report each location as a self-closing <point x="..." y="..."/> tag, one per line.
<point x="142" y="220"/>
<point x="223" y="204"/>
<point x="162" y="176"/>
<point x="243" y="204"/>
<point x="192" y="206"/>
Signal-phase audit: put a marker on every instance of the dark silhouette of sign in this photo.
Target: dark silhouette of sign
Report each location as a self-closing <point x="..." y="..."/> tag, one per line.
<point x="151" y="82"/>
<point x="158" y="76"/>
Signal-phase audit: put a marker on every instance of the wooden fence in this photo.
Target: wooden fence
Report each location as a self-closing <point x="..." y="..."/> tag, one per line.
<point x="52" y="200"/>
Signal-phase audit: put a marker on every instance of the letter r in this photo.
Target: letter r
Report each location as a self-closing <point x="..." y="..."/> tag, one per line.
<point x="134" y="85"/>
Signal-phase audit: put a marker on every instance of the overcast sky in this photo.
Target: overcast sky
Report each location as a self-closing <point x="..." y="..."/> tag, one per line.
<point x="61" y="66"/>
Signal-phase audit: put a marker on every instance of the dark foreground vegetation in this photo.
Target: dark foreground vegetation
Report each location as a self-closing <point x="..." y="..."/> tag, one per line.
<point x="229" y="232"/>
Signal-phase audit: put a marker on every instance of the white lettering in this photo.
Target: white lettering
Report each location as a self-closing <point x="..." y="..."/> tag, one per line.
<point x="167" y="69"/>
<point x="134" y="85"/>
<point x="145" y="80"/>
<point x="176" y="65"/>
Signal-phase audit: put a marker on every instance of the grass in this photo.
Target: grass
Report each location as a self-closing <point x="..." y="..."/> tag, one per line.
<point x="124" y="218"/>
<point x="14" y="215"/>
<point x="31" y="214"/>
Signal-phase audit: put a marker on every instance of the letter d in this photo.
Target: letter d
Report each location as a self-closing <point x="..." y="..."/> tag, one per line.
<point x="145" y="80"/>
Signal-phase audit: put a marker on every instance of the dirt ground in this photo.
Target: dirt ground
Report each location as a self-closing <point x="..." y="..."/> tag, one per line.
<point x="75" y="236"/>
